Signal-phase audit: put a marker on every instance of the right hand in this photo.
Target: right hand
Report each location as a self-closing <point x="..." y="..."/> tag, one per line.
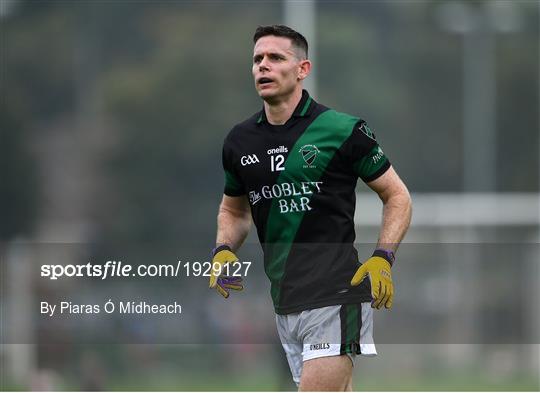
<point x="223" y="255"/>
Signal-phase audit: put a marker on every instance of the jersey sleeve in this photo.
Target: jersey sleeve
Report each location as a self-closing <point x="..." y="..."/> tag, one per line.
<point x="233" y="184"/>
<point x="364" y="154"/>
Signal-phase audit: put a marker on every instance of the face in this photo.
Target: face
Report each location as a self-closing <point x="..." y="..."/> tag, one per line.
<point x="277" y="71"/>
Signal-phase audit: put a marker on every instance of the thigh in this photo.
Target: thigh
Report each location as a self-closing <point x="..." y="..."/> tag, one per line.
<point x="337" y="330"/>
<point x="332" y="337"/>
<point x="332" y="373"/>
<point x="292" y="347"/>
<point x="324" y="339"/>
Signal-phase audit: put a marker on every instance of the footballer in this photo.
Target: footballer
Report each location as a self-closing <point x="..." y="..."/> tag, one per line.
<point x="292" y="169"/>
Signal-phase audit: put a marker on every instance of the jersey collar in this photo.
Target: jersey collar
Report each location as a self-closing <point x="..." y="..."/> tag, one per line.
<point x="303" y="109"/>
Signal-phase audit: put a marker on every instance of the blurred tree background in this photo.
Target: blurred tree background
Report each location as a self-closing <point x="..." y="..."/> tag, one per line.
<point x="113" y="113"/>
<point x="145" y="93"/>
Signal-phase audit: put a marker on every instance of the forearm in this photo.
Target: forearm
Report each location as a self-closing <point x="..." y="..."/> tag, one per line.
<point x="232" y="227"/>
<point x="397" y="211"/>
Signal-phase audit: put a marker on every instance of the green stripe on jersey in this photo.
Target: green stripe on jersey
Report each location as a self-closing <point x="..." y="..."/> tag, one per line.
<point x="326" y="133"/>
<point x="371" y="163"/>
<point x="306" y="106"/>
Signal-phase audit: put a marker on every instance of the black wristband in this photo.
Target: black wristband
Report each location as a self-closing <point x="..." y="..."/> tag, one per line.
<point x="220" y="248"/>
<point x="387" y="255"/>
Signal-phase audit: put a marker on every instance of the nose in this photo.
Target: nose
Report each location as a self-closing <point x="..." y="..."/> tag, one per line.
<point x="262" y="64"/>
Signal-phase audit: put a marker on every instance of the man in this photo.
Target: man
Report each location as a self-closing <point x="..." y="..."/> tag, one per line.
<point x="293" y="168"/>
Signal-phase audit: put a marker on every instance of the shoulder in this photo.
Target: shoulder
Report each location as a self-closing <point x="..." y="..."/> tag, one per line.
<point x="339" y="116"/>
<point x="346" y="121"/>
<point x="338" y="121"/>
<point x="243" y="128"/>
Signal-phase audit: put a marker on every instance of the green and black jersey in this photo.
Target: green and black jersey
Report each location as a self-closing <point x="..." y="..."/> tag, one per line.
<point x="300" y="180"/>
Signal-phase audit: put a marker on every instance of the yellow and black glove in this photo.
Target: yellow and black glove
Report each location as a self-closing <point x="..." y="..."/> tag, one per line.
<point x="377" y="268"/>
<point x="221" y="256"/>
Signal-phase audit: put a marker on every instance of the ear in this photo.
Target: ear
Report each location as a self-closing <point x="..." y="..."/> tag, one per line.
<point x="304" y="68"/>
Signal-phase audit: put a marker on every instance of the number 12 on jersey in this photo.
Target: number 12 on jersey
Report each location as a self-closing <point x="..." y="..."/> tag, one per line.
<point x="276" y="163"/>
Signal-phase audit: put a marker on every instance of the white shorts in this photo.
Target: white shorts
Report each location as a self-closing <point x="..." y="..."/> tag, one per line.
<point x="327" y="331"/>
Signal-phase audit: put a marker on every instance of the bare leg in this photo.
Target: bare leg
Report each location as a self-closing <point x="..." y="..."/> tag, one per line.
<point x="349" y="385"/>
<point x="332" y="373"/>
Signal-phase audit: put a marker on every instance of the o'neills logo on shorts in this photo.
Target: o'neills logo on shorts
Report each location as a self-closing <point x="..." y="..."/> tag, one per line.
<point x="317" y="347"/>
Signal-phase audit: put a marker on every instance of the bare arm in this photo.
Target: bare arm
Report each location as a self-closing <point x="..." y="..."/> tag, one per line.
<point x="397" y="209"/>
<point x="233" y="221"/>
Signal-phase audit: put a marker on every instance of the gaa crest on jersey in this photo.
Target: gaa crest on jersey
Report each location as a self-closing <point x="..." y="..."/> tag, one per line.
<point x="309" y="154"/>
<point x="366" y="130"/>
<point x="249" y="159"/>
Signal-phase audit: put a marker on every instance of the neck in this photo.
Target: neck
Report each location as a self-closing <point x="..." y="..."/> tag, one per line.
<point x="278" y="112"/>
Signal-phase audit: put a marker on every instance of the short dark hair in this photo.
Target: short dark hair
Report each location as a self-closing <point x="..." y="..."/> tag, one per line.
<point x="298" y="40"/>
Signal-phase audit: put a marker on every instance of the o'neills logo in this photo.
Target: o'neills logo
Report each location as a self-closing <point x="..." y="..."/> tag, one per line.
<point x="309" y="154"/>
<point x="277" y="150"/>
<point x="318" y="347"/>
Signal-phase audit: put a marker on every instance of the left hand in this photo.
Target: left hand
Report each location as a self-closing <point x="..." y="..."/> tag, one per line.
<point x="378" y="271"/>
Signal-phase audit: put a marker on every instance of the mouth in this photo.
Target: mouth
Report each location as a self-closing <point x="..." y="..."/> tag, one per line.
<point x="264" y="81"/>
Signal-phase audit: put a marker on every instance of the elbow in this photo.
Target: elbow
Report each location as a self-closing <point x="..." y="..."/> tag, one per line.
<point x="239" y="215"/>
<point x="407" y="202"/>
<point x="398" y="195"/>
<point x="401" y="200"/>
<point x="405" y="199"/>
